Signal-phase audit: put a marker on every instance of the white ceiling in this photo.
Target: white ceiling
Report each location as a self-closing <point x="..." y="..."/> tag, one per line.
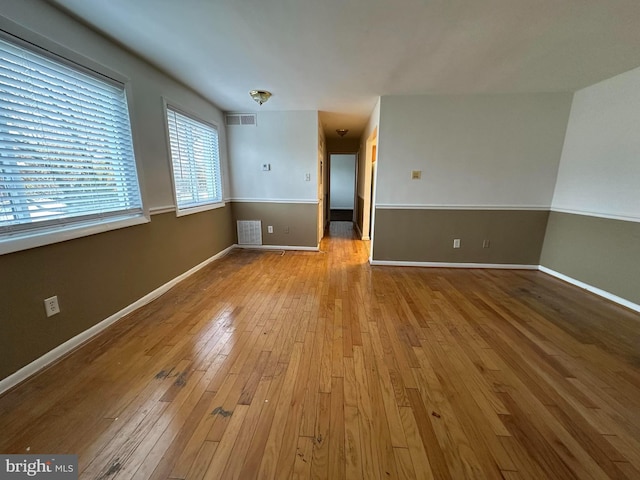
<point x="338" y="56"/>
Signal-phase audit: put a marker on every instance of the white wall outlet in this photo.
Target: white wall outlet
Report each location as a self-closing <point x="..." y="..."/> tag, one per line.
<point x="286" y="229"/>
<point x="270" y="229"/>
<point x="456" y="243"/>
<point x="485" y="244"/>
<point x="266" y="167"/>
<point x="416" y="174"/>
<point x="307" y="177"/>
<point x="51" y="306"/>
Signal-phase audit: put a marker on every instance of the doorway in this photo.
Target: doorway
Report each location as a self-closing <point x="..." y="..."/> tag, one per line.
<point x="367" y="186"/>
<point x="342" y="187"/>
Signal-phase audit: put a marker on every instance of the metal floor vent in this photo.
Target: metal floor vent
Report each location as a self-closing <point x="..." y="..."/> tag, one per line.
<point x="249" y="232"/>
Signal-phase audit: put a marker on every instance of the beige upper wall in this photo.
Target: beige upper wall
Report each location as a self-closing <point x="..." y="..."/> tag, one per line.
<point x="473" y="150"/>
<point x="288" y="141"/>
<point x="45" y="24"/>
<point x="600" y="168"/>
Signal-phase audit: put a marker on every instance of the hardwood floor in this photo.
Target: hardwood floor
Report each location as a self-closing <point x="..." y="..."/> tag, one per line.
<point x="316" y="365"/>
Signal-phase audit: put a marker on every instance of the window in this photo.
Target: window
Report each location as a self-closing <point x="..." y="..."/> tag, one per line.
<point x="66" y="152"/>
<point x="195" y="161"/>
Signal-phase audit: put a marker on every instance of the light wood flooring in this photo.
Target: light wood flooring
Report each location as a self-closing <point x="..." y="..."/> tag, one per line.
<point x="316" y="365"/>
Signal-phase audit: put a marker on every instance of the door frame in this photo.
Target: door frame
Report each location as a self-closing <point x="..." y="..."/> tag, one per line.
<point x="371" y="157"/>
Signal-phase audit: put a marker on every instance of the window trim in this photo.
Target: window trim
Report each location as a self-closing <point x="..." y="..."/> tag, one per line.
<point x="24" y="240"/>
<point x="181" y="212"/>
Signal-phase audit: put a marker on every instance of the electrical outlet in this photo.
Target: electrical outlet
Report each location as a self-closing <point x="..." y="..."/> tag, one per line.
<point x="456" y="243"/>
<point x="270" y="229"/>
<point x="485" y="244"/>
<point x="416" y="174"/>
<point x="286" y="229"/>
<point x="51" y="306"/>
<point x="266" y="167"/>
<point x="307" y="177"/>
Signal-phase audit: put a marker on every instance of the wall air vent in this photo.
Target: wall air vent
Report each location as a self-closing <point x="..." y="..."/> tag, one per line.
<point x="233" y="119"/>
<point x="249" y="232"/>
<point x="248" y="119"/>
<point x="241" y="119"/>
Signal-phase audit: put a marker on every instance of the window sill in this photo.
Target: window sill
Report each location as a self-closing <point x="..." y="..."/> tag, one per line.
<point x="198" y="209"/>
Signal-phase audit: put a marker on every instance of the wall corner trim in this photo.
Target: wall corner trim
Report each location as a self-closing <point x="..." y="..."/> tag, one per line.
<point x="590" y="288"/>
<point x="586" y="213"/>
<point x="73" y="343"/>
<point x="435" y="206"/>
<point x="503" y="266"/>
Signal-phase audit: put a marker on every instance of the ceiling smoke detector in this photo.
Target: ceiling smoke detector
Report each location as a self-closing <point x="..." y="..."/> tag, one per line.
<point x="260" y="96"/>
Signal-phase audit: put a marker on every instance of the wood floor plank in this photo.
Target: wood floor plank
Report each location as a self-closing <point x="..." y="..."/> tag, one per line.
<point x="318" y="365"/>
<point x="276" y="435"/>
<point x="320" y="454"/>
<point x="201" y="461"/>
<point x="304" y="455"/>
<point x="223" y="453"/>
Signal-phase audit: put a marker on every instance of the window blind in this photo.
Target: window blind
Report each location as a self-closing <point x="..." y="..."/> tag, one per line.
<point x="66" y="152"/>
<point x="195" y="161"/>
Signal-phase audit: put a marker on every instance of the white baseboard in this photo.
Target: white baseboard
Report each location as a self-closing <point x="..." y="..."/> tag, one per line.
<point x="73" y="343"/>
<point x="278" y="247"/>
<point x="504" y="266"/>
<point x="592" y="289"/>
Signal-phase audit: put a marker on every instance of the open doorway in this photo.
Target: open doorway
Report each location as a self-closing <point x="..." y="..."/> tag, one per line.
<point x="366" y="187"/>
<point x="342" y="187"/>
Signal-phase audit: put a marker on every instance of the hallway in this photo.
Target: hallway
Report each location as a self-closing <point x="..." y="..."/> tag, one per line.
<point x="316" y="365"/>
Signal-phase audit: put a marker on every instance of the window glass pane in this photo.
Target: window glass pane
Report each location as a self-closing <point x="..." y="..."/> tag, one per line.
<point x="66" y="152"/>
<point x="195" y="161"/>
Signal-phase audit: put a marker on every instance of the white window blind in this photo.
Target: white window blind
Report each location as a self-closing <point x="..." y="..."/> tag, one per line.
<point x="66" y="153"/>
<point x="195" y="161"/>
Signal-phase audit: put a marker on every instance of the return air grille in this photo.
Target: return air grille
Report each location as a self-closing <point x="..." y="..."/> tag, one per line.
<point x="241" y="119"/>
<point x="249" y="232"/>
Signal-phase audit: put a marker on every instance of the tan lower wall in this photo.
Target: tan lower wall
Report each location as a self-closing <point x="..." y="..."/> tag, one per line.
<point x="300" y="218"/>
<point x="600" y="252"/>
<point x="95" y="277"/>
<point x="426" y="235"/>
